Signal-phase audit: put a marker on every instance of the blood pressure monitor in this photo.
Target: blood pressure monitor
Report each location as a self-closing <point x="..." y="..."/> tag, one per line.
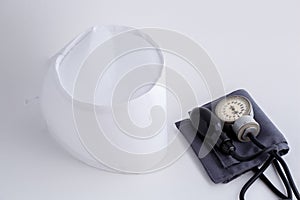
<point x="237" y="112"/>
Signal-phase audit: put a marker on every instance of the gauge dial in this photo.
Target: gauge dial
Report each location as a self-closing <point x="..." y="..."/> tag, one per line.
<point x="231" y="108"/>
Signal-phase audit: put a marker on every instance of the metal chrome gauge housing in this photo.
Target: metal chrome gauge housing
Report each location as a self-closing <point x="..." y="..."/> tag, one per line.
<point x="237" y="111"/>
<point x="232" y="108"/>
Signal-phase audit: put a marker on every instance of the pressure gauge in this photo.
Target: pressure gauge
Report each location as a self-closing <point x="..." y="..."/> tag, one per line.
<point x="237" y="111"/>
<point x="231" y="108"/>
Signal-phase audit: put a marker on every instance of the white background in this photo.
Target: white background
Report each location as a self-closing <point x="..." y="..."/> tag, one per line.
<point x="255" y="45"/>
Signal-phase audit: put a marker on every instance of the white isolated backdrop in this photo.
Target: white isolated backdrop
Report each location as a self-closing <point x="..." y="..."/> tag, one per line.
<point x="254" y="44"/>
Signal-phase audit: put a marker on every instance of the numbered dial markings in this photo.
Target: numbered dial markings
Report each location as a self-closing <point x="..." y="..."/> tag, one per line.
<point x="231" y="108"/>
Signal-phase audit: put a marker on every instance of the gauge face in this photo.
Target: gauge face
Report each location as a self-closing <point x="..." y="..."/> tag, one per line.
<point x="231" y="108"/>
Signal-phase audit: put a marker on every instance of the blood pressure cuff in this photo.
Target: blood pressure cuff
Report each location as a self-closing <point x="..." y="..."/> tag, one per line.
<point x="223" y="168"/>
